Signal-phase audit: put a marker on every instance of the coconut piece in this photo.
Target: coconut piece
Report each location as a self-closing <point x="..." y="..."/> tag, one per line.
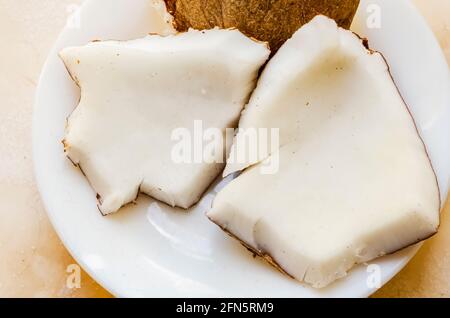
<point x="273" y="21"/>
<point x="354" y="181"/>
<point x="135" y="94"/>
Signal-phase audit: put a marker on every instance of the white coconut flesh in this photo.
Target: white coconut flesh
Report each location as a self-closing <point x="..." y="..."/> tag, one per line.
<point x="134" y="94"/>
<point x="354" y="180"/>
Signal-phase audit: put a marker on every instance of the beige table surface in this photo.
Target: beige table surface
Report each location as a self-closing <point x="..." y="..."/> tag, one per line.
<point x="33" y="261"/>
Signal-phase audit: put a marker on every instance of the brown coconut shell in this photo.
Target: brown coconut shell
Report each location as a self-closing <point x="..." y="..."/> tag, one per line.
<point x="272" y="21"/>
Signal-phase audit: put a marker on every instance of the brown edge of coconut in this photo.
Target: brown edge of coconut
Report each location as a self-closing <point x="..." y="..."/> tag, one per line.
<point x="417" y="131"/>
<point x="273" y="262"/>
<point x="366" y="44"/>
<point x="97" y="195"/>
<point x="370" y="51"/>
<point x="264" y="255"/>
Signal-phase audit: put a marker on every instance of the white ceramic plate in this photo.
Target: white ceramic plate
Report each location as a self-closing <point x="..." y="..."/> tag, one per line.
<point x="146" y="251"/>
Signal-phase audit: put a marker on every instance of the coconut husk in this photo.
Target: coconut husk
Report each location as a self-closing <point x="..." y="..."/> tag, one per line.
<point x="273" y="21"/>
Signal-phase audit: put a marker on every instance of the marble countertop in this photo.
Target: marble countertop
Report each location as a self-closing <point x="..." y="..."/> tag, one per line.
<point x="33" y="261"/>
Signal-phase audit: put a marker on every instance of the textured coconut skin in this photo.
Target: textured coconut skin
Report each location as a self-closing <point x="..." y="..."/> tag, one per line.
<point x="273" y="21"/>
